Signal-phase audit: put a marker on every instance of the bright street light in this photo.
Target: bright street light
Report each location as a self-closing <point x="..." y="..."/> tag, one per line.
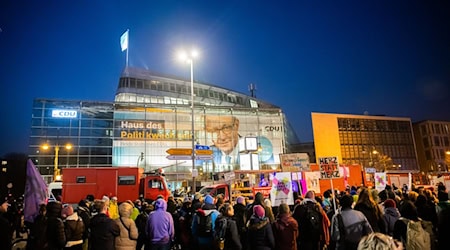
<point x="56" y="171"/>
<point x="189" y="57"/>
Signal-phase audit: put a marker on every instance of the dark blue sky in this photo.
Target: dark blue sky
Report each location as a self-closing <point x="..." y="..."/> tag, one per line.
<point x="384" y="57"/>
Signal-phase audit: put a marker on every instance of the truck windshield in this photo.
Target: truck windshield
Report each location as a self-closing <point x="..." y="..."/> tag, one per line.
<point x="205" y="191"/>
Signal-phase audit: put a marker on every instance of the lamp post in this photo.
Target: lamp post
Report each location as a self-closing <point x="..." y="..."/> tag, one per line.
<point x="56" y="171"/>
<point x="190" y="59"/>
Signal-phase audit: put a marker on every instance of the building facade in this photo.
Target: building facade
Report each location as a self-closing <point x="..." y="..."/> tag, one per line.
<point x="433" y="145"/>
<point x="151" y="114"/>
<point x="378" y="143"/>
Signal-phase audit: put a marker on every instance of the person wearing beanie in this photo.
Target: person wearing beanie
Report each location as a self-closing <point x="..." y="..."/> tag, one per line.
<point x="390" y="215"/>
<point x="74" y="228"/>
<point x="259" y="234"/>
<point x="203" y="227"/>
<point x="128" y="230"/>
<point x="160" y="227"/>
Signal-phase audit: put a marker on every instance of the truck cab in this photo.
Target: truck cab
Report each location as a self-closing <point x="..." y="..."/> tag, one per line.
<point x="54" y="190"/>
<point x="153" y="185"/>
<point x="216" y="189"/>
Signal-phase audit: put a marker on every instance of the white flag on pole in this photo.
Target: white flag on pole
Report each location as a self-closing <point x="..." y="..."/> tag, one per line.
<point x="124" y="41"/>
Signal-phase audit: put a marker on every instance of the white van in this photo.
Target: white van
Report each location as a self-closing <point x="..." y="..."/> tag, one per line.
<point x="54" y="190"/>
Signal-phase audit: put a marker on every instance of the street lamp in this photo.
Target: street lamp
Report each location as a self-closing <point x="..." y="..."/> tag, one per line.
<point x="190" y="59"/>
<point x="56" y="171"/>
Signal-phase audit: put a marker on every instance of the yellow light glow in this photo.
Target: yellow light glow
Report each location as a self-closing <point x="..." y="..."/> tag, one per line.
<point x="45" y="146"/>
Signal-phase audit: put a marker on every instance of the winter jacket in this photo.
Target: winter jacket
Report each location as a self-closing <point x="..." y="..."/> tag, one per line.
<point x="390" y="216"/>
<point x="355" y="225"/>
<point x="103" y="231"/>
<point x="285" y="231"/>
<point x="74" y="228"/>
<point x="204" y="211"/>
<point x="128" y="230"/>
<point x="232" y="240"/>
<point x="113" y="210"/>
<point x="160" y="227"/>
<point x="300" y="216"/>
<point x="373" y="215"/>
<point x="260" y="234"/>
<point x="55" y="226"/>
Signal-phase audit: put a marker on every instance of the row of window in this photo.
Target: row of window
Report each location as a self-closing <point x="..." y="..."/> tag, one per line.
<point x="435" y="154"/>
<point x="437" y="141"/>
<point x="352" y="124"/>
<point x="436" y="128"/>
<point x="180" y="88"/>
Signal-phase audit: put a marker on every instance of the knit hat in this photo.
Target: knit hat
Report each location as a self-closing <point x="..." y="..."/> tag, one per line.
<point x="240" y="200"/>
<point x="389" y="203"/>
<point x="258" y="210"/>
<point x="209" y="199"/>
<point x="67" y="211"/>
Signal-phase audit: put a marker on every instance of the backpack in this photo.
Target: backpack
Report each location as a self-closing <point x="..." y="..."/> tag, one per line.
<point x="220" y="232"/>
<point x="204" y="225"/>
<point x="416" y="236"/>
<point x="313" y="220"/>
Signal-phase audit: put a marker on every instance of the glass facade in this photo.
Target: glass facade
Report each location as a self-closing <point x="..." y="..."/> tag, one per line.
<point x="152" y="114"/>
<point x="383" y="144"/>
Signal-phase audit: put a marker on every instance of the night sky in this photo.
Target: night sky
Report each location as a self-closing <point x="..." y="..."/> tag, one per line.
<point x="384" y="57"/>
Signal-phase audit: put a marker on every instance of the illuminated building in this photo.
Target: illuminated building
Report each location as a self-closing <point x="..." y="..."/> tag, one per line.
<point x="433" y="145"/>
<point x="150" y="114"/>
<point x="379" y="143"/>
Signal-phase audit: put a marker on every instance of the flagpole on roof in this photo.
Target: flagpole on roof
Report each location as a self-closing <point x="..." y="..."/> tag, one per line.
<point x="124" y="44"/>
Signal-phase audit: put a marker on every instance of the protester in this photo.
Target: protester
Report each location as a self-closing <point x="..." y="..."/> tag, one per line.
<point x="128" y="236"/>
<point x="74" y="228"/>
<point x="390" y="216"/>
<point x="259" y="234"/>
<point x="371" y="210"/>
<point x="160" y="227"/>
<point x="113" y="208"/>
<point x="379" y="241"/>
<point x="202" y="226"/>
<point x="5" y="227"/>
<point x="349" y="226"/>
<point x="103" y="229"/>
<point x="240" y="216"/>
<point x="85" y="215"/>
<point x="230" y="234"/>
<point x="285" y="229"/>
<point x="309" y="217"/>
<point x="55" y="226"/>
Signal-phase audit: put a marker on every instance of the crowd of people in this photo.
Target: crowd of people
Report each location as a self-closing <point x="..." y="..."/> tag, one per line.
<point x="355" y="218"/>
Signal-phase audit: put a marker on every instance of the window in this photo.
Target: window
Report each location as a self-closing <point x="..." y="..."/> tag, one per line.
<point x="81" y="179"/>
<point x="155" y="184"/>
<point x="425" y="142"/>
<point x="436" y="141"/>
<point x="127" y="180"/>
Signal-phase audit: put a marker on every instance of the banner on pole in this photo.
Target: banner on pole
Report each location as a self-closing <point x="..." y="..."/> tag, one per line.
<point x="281" y="191"/>
<point x="380" y="181"/>
<point x="329" y="167"/>
<point x="312" y="182"/>
<point x="124" y="41"/>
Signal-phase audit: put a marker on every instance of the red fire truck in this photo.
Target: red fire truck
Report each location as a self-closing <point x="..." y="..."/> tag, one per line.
<point x="126" y="183"/>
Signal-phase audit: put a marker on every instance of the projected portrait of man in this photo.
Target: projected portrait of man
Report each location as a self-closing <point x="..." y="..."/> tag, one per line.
<point x="223" y="131"/>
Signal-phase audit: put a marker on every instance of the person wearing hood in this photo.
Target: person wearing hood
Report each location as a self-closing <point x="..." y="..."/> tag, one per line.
<point x="160" y="229"/>
<point x="74" y="228"/>
<point x="203" y="233"/>
<point x="55" y="226"/>
<point x="285" y="229"/>
<point x="390" y="215"/>
<point x="113" y="208"/>
<point x="259" y="235"/>
<point x="128" y="231"/>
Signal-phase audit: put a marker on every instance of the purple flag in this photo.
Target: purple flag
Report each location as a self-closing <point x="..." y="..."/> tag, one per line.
<point x="35" y="192"/>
